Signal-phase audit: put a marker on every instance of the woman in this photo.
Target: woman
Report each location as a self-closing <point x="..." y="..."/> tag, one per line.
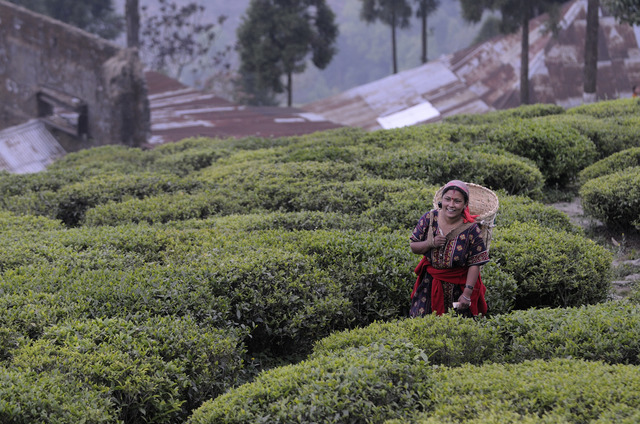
<point x="453" y="250"/>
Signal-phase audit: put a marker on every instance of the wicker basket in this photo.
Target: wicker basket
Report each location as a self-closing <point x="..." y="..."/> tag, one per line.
<point x="482" y="202"/>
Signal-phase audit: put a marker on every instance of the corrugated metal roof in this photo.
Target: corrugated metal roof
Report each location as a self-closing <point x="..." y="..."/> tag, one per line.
<point x="486" y="77"/>
<point x="28" y="148"/>
<point x="178" y="112"/>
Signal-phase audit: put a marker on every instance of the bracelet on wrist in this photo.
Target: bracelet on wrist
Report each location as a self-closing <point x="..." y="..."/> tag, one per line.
<point x="469" y="286"/>
<point x="466" y="298"/>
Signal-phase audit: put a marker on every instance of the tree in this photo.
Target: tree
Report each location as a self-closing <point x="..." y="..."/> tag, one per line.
<point x="175" y="38"/>
<point x="515" y="14"/>
<point x="394" y="13"/>
<point x="275" y="38"/>
<point x="425" y="8"/>
<point x="132" y="17"/>
<point x="591" y="52"/>
<point x="95" y="16"/>
<point x="627" y="11"/>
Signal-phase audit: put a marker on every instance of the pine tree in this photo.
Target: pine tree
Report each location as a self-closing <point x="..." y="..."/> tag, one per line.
<point x="275" y="39"/>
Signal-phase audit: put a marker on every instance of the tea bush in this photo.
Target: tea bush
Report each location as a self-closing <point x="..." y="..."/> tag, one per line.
<point x="33" y="397"/>
<point x="153" y="371"/>
<point x="447" y="340"/>
<point x="605" y="332"/>
<point x="73" y="200"/>
<point x="523" y="209"/>
<point x="617" y="162"/>
<point x="557" y="391"/>
<point x="608" y="108"/>
<point x="499" y="116"/>
<point x="367" y="384"/>
<point x="609" y="135"/>
<point x="552" y="268"/>
<point x="614" y="199"/>
<point x="559" y="151"/>
<point x="437" y="166"/>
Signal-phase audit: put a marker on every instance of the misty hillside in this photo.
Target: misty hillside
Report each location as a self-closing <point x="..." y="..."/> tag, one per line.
<point x="364" y="51"/>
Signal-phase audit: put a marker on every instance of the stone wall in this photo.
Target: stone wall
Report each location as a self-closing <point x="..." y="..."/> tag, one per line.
<point x="41" y="55"/>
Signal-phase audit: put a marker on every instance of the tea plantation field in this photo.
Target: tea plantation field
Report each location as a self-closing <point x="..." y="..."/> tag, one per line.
<point x="268" y="280"/>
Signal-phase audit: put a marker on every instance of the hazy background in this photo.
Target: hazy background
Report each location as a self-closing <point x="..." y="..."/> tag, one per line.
<point x="364" y="50"/>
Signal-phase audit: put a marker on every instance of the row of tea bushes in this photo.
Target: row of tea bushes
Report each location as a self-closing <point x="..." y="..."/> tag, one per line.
<point x="155" y="370"/>
<point x="386" y="372"/>
<point x="614" y="199"/>
<point x="288" y="287"/>
<point x="612" y="164"/>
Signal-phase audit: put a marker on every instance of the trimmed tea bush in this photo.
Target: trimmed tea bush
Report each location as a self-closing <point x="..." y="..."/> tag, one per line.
<point x="609" y="135"/>
<point x="523" y="209"/>
<point x="605" y="332"/>
<point x="368" y="384"/>
<point x="614" y="199"/>
<point x="499" y="116"/>
<point x="608" y="108"/>
<point x="437" y="166"/>
<point x="153" y="371"/>
<point x="558" y="391"/>
<point x="552" y="268"/>
<point x="559" y="151"/>
<point x="35" y="397"/>
<point x="73" y="200"/>
<point x="23" y="223"/>
<point x="446" y="340"/>
<point x="619" y="161"/>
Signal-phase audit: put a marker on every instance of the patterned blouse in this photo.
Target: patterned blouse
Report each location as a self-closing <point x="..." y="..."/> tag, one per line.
<point x="463" y="248"/>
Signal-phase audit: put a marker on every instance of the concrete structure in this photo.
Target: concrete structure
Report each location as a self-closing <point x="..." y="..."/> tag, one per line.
<point x="486" y="77"/>
<point x="75" y="82"/>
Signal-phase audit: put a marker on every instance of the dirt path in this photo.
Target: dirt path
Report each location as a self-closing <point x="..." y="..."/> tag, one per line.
<point x="626" y="271"/>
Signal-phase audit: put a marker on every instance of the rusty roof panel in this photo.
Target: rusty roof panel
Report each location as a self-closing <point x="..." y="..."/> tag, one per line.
<point x="28" y="148"/>
<point x="179" y="112"/>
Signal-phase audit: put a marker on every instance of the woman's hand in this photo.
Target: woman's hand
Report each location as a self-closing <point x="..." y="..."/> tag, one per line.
<point x="464" y="303"/>
<point x="439" y="240"/>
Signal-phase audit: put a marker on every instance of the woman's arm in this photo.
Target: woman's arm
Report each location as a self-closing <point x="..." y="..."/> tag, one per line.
<point x="422" y="247"/>
<point x="472" y="277"/>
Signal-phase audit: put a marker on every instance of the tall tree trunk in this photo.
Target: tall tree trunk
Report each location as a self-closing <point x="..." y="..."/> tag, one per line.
<point x="524" y="54"/>
<point x="133" y="23"/>
<point x="289" y="89"/>
<point x="424" y="38"/>
<point x="591" y="52"/>
<point x="393" y="44"/>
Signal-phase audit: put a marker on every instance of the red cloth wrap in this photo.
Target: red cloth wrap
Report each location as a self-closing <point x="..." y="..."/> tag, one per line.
<point x="454" y="276"/>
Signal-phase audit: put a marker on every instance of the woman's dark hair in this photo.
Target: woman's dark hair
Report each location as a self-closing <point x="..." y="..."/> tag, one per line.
<point x="464" y="194"/>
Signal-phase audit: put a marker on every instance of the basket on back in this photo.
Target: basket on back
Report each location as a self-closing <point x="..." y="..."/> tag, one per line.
<point x="482" y="202"/>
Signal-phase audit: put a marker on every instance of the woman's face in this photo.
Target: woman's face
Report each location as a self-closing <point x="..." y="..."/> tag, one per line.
<point x="453" y="204"/>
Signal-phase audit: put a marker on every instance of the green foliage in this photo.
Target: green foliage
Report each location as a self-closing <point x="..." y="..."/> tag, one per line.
<point x="559" y="151"/>
<point x="73" y="200"/>
<point x="552" y="268"/>
<point x="609" y="134"/>
<point x="498" y="116"/>
<point x="275" y="39"/>
<point x="24" y="223"/>
<point x="29" y="397"/>
<point x="608" y="108"/>
<point x="613" y="199"/>
<point x="523" y="209"/>
<point x="617" y="162"/>
<point x="605" y="332"/>
<point x="439" y="165"/>
<point x="153" y="371"/>
<point x="367" y="384"/>
<point x="447" y="340"/>
<point x="558" y="391"/>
